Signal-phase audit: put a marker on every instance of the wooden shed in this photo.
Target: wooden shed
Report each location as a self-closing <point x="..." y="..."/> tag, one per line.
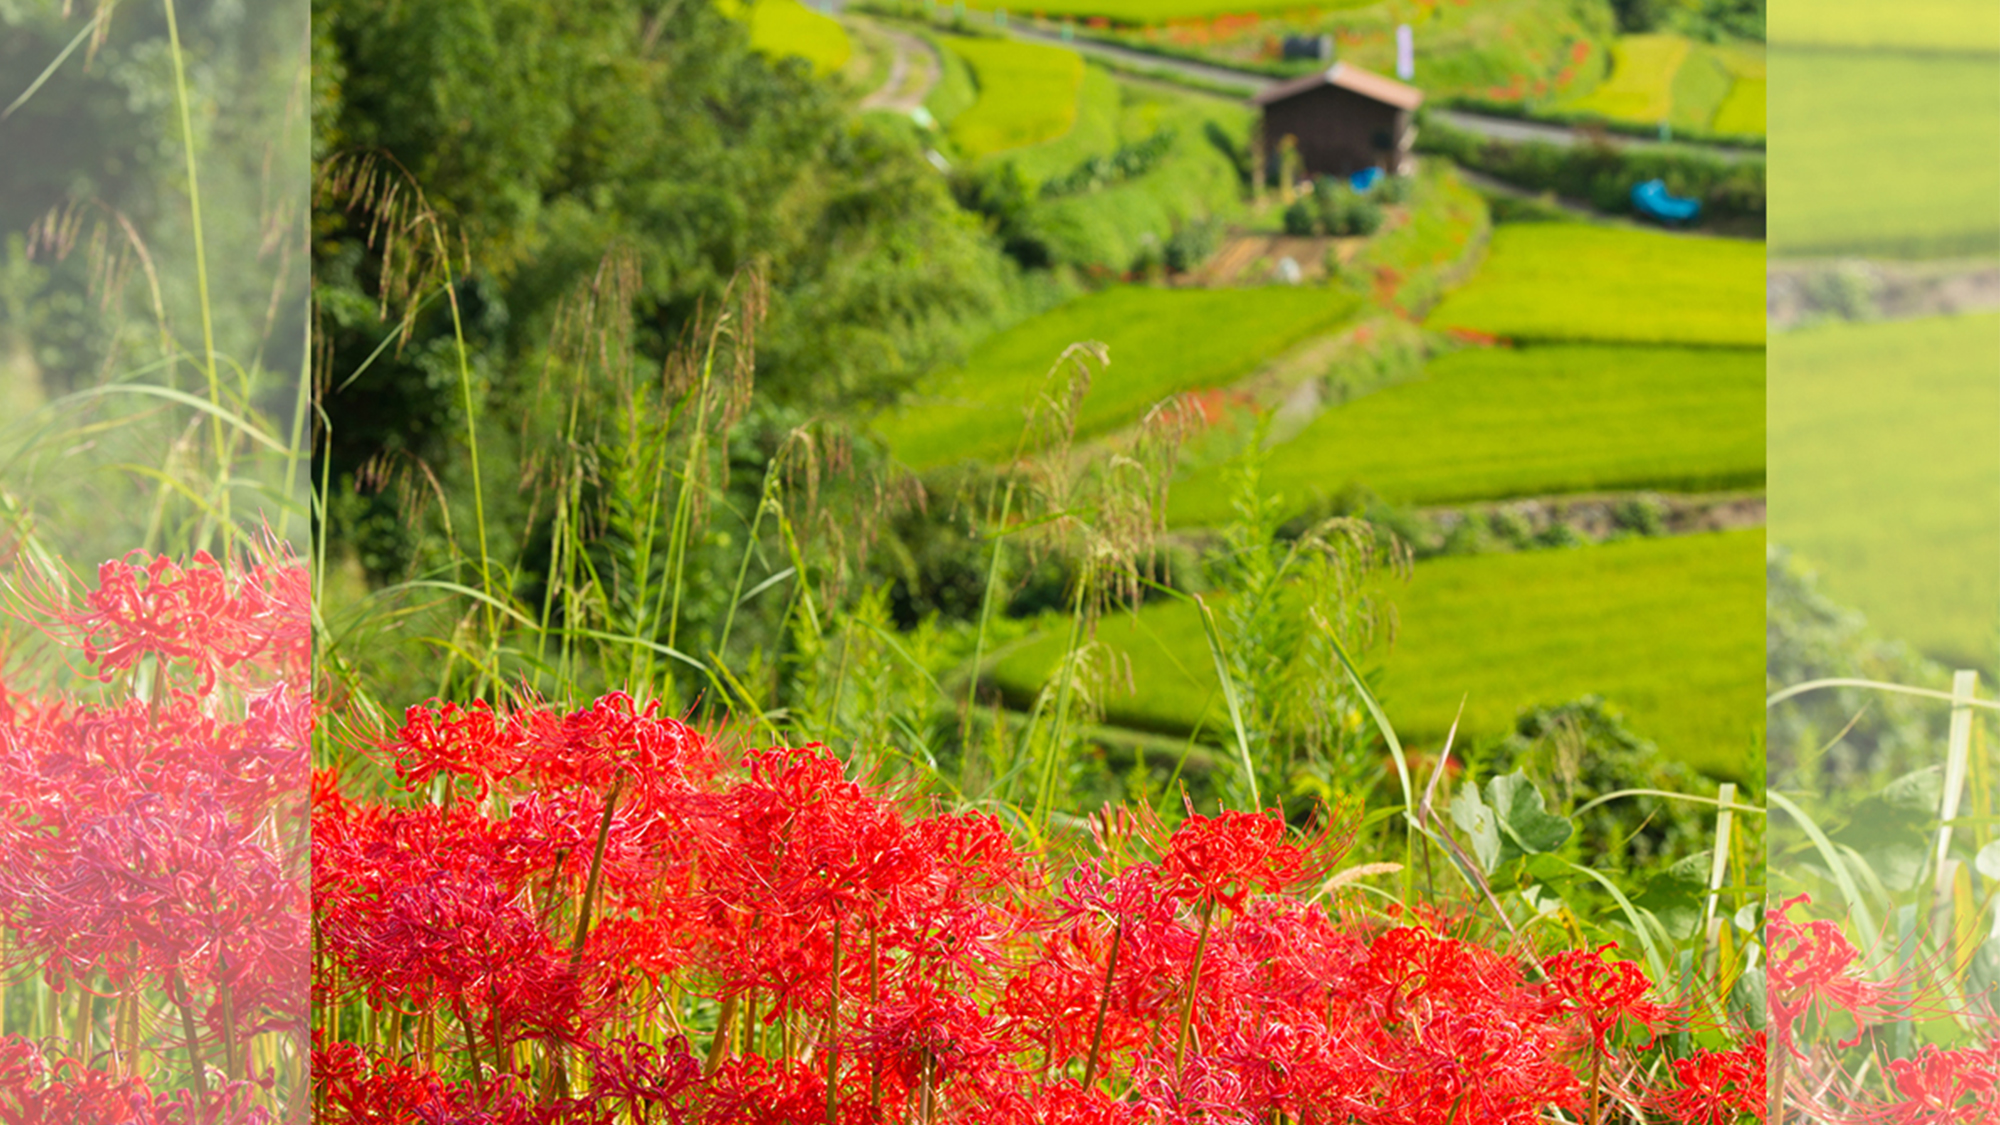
<point x="1343" y="119"/>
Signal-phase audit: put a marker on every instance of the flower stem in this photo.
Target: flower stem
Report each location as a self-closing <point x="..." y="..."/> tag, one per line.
<point x="874" y="997"/>
<point x="832" y="1034"/>
<point x="1103" y="1004"/>
<point x="182" y="1002"/>
<point x="719" y="1046"/>
<point x="472" y="1049"/>
<point x="596" y="871"/>
<point x="1194" y="986"/>
<point x="1596" y="1060"/>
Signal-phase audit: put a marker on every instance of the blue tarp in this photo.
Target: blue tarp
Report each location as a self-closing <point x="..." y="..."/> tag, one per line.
<point x="1652" y="200"/>
<point x="1365" y="179"/>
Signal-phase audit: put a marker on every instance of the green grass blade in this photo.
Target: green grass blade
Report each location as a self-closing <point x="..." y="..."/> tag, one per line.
<point x="1230" y="697"/>
<point x="49" y="71"/>
<point x="235" y="421"/>
<point x="1849" y="890"/>
<point x="1638" y="917"/>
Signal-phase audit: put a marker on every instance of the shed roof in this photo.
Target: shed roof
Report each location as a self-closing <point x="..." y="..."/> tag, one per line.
<point x="1367" y="83"/>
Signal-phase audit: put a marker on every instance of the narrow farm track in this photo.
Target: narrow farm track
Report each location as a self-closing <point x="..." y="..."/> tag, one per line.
<point x="899" y="92"/>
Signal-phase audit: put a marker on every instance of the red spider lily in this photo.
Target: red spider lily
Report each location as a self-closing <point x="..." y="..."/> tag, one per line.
<point x="1602" y="993"/>
<point x="36" y="1091"/>
<point x="1813" y="968"/>
<point x="908" y="967"/>
<point x="203" y="615"/>
<point x="1719" y="1087"/>
<point x="1225" y="859"/>
<point x="156" y="841"/>
<point x="1945" y="1087"/>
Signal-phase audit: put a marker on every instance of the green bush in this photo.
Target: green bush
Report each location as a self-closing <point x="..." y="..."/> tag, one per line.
<point x="1192" y="244"/>
<point x="1334" y="209"/>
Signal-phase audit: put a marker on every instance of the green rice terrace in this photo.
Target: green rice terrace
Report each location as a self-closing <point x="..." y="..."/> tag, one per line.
<point x="1880" y="431"/>
<point x="1916" y="88"/>
<point x="1485" y="424"/>
<point x="1523" y="362"/>
<point x="1573" y="283"/>
<point x="1541" y="58"/>
<point x="1162" y="341"/>
<point x="1571" y="396"/>
<point x="1886" y="153"/>
<point x="1686" y="84"/>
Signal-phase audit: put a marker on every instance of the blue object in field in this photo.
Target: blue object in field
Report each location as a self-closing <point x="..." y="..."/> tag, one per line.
<point x="1652" y="200"/>
<point x="1365" y="179"/>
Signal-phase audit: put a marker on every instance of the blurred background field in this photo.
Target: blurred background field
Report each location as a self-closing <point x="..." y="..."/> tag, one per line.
<point x="1883" y="472"/>
<point x="787" y="29"/>
<point x="1885" y="184"/>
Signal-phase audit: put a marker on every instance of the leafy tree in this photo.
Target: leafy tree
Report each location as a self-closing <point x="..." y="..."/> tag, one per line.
<point x="543" y="137"/>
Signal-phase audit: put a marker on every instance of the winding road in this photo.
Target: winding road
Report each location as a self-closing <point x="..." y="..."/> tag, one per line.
<point x="1499" y="128"/>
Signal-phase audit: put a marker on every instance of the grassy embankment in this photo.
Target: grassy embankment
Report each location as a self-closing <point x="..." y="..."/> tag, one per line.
<point x="1161" y="341"/>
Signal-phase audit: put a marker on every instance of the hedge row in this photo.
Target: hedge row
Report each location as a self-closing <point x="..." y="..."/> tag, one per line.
<point x="1603" y="174"/>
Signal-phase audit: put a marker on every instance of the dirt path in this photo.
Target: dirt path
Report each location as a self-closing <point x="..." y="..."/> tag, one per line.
<point x="913" y="72"/>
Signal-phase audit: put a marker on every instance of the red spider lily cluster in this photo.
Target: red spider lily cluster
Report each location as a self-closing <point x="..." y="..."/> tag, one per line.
<point x="593" y="917"/>
<point x="1816" y="974"/>
<point x="151" y="847"/>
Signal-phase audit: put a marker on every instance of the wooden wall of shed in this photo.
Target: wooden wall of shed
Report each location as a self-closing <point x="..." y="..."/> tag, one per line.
<point x="1339" y="132"/>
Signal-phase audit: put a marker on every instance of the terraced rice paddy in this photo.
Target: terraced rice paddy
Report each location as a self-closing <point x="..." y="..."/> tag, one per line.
<point x="1493" y="423"/>
<point x="787" y="28"/>
<point x="1670" y="630"/>
<point x="1575" y="283"/>
<point x="1887" y="155"/>
<point x="1641" y="85"/>
<point x="1928" y="26"/>
<point x="1027" y="95"/>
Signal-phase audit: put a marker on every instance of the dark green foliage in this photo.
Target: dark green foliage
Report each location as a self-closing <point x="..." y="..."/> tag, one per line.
<point x="92" y="176"/>
<point x="1641" y="515"/>
<point x="1509" y="208"/>
<point x="1001" y="194"/>
<point x="1603" y="175"/>
<point x="1843" y="737"/>
<point x="1713" y="20"/>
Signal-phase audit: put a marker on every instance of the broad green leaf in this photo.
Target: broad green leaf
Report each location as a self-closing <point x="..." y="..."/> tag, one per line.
<point x="1747" y="999"/>
<point x="1988" y="860"/>
<point x="1678" y="895"/>
<point x="1525" y="823"/>
<point x="1479" y="825"/>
